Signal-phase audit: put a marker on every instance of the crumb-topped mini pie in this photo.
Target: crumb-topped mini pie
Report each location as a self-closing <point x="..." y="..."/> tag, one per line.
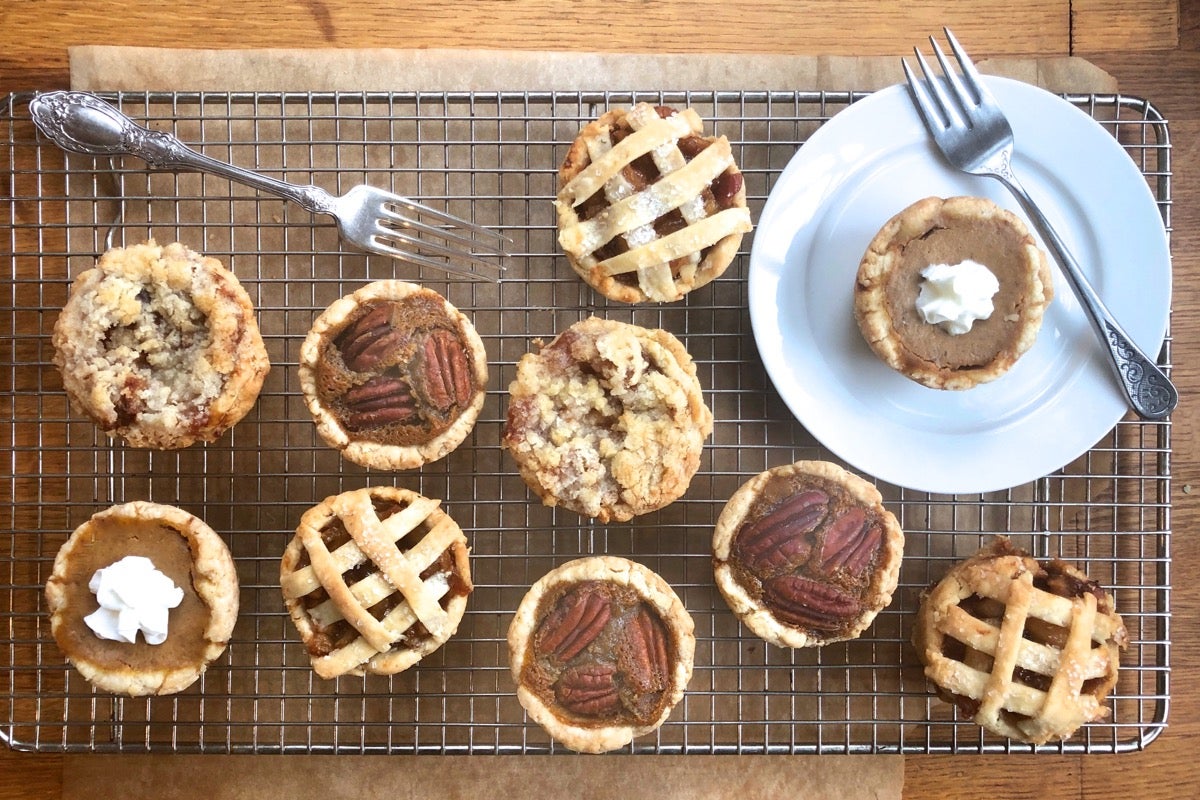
<point x="806" y="554"/>
<point x="375" y="580"/>
<point x="601" y="650"/>
<point x="955" y="253"/>
<point x="159" y="345"/>
<point x="184" y="553"/>
<point x="608" y="419"/>
<point x="1026" y="649"/>
<point x="649" y="207"/>
<point x="394" y="375"/>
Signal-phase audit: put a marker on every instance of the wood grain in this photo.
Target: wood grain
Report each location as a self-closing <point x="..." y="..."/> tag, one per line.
<point x="1137" y="42"/>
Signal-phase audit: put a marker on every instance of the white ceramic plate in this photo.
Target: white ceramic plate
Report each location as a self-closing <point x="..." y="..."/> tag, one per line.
<point x="860" y="168"/>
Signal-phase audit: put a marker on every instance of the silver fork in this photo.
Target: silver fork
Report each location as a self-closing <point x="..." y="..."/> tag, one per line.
<point x="369" y="218"/>
<point x="973" y="134"/>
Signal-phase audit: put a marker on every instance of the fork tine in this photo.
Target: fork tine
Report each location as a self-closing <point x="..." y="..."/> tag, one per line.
<point x="945" y="104"/>
<point x="382" y="248"/>
<point x="441" y="216"/>
<point x="447" y="234"/>
<point x="925" y="102"/>
<point x="425" y="245"/>
<point x="970" y="73"/>
<point x="965" y="101"/>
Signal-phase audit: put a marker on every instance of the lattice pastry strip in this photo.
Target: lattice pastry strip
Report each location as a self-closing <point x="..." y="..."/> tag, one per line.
<point x="396" y="578"/>
<point x="1026" y="689"/>
<point x="666" y="266"/>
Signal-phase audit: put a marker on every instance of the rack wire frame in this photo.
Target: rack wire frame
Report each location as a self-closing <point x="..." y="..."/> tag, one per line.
<point x="492" y="158"/>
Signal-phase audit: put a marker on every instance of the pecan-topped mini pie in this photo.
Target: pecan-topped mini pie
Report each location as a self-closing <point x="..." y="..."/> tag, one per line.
<point x="601" y="650"/>
<point x="608" y="420"/>
<point x="394" y="375"/>
<point x="375" y="580"/>
<point x="649" y="208"/>
<point x="1026" y="649"/>
<point x="190" y="556"/>
<point x="953" y="237"/>
<point x="806" y="554"/>
<point x="159" y="345"/>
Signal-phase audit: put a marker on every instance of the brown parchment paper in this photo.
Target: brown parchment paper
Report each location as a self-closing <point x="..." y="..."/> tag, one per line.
<point x="99" y="68"/>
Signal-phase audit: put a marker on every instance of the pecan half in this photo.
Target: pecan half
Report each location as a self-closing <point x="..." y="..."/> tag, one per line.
<point x="442" y="372"/>
<point x="807" y="603"/>
<point x="643" y="657"/>
<point x="380" y="401"/>
<point x="851" y="540"/>
<point x="367" y="341"/>
<point x="574" y="623"/>
<point x="589" y="690"/>
<point x="778" y="542"/>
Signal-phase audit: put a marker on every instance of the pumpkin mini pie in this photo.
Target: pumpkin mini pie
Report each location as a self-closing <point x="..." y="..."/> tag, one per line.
<point x="1024" y="648"/>
<point x="117" y="633"/>
<point x="806" y="554"/>
<point x="394" y="375"/>
<point x="601" y="650"/>
<point x="649" y="207"/>
<point x="375" y="580"/>
<point x="607" y="420"/>
<point x="159" y="346"/>
<point x="925" y="273"/>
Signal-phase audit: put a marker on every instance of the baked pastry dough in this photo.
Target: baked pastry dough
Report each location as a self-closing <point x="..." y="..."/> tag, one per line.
<point x="394" y="375"/>
<point x="375" y="580"/>
<point x="158" y="345"/>
<point x="1027" y="650"/>
<point x="649" y="208"/>
<point x="607" y="420"/>
<point x="951" y="231"/>
<point x="806" y="554"/>
<point x="601" y="650"/>
<point x="184" y="549"/>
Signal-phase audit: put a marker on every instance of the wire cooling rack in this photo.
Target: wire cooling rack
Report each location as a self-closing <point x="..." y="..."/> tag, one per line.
<point x="491" y="158"/>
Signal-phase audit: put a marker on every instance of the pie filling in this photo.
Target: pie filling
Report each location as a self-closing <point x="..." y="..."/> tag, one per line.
<point x="808" y="553"/>
<point x="600" y="655"/>
<point x="398" y="372"/>
<point x="340" y="633"/>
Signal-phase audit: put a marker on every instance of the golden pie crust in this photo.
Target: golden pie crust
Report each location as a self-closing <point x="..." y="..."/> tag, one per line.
<point x="950" y="231"/>
<point x="159" y="346"/>
<point x="375" y="580"/>
<point x="394" y="375"/>
<point x="607" y="420"/>
<point x="1027" y="650"/>
<point x="601" y="650"/>
<point x="181" y="546"/>
<point x="650" y="208"/>
<point x="806" y="554"/>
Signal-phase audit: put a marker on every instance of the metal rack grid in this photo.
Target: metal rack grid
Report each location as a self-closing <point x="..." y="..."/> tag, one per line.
<point x="491" y="158"/>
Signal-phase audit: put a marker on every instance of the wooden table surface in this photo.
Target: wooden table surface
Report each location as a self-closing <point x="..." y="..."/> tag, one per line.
<point x="1152" y="47"/>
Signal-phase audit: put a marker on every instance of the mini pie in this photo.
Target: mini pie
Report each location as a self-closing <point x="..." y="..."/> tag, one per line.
<point x="394" y="375"/>
<point x="607" y="420"/>
<point x="806" y="554"/>
<point x="601" y="650"/>
<point x="1025" y="649"/>
<point x="158" y="345"/>
<point x="950" y="231"/>
<point x="375" y="580"/>
<point x="183" y="548"/>
<point x="649" y="208"/>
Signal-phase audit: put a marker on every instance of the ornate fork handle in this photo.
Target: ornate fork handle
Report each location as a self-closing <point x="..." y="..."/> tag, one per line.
<point x="1150" y="392"/>
<point x="83" y="123"/>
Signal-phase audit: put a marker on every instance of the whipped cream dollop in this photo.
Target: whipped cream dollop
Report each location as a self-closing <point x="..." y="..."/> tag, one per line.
<point x="955" y="296"/>
<point x="134" y="596"/>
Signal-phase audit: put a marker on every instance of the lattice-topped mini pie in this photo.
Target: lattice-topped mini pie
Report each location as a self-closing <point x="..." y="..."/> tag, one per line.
<point x="649" y="208"/>
<point x="375" y="579"/>
<point x="1025" y="649"/>
<point x="601" y="650"/>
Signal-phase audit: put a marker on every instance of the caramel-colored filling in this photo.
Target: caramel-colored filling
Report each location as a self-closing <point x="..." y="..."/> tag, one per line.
<point x="107" y="541"/>
<point x="611" y="664"/>
<point x="999" y="247"/>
